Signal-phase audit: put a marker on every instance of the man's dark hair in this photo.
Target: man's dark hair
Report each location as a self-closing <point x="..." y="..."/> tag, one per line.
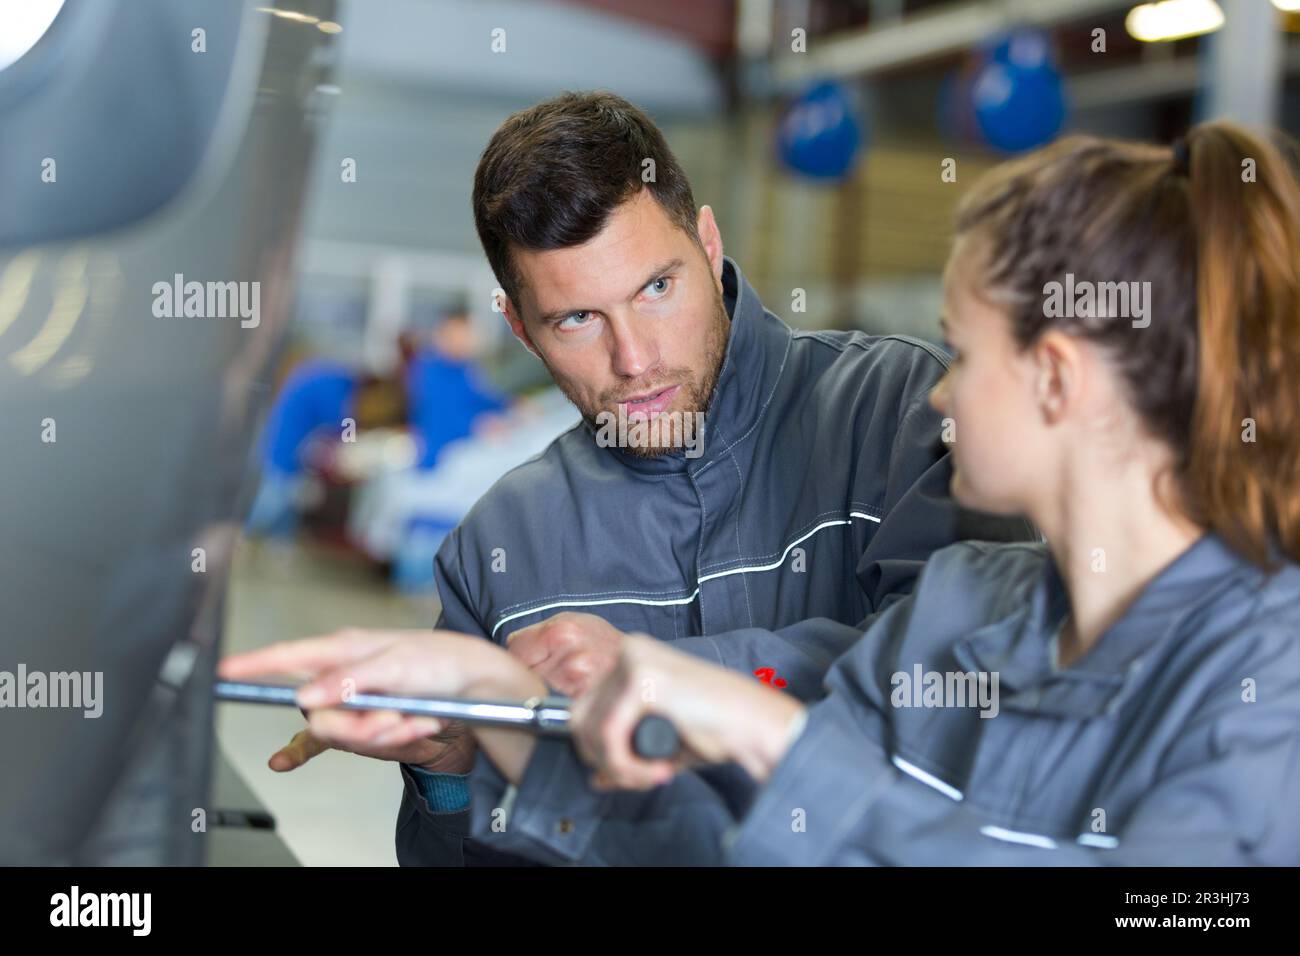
<point x="553" y="173"/>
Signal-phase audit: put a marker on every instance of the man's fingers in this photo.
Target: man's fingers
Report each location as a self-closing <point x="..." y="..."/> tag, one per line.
<point x="364" y="730"/>
<point x="350" y="729"/>
<point x="308" y="655"/>
<point x="578" y="667"/>
<point x="387" y="671"/>
<point x="297" y="752"/>
<point x="409" y="730"/>
<point x="529" y="644"/>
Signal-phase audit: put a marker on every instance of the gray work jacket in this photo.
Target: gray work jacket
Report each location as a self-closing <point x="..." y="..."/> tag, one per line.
<point x="821" y="490"/>
<point x="1175" y="740"/>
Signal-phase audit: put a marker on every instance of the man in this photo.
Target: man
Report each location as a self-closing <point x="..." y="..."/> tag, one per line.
<point x="818" y="490"/>
<point x="446" y="396"/>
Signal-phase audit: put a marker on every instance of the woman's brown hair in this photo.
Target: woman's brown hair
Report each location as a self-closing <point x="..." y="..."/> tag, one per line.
<point x="1213" y="368"/>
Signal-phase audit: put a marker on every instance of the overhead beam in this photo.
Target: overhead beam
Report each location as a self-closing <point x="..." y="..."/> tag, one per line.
<point x="1124" y="85"/>
<point x="927" y="35"/>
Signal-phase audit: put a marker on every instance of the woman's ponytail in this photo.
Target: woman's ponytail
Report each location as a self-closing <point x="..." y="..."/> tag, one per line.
<point x="1243" y="474"/>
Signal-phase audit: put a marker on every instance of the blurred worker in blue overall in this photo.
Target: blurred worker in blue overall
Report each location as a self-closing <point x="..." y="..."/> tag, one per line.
<point x="1126" y="692"/>
<point x="728" y="472"/>
<point x="446" y="391"/>
<point x="317" y="395"/>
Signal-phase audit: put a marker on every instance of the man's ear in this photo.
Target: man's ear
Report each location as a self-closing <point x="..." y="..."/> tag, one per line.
<point x="711" y="240"/>
<point x="516" y="324"/>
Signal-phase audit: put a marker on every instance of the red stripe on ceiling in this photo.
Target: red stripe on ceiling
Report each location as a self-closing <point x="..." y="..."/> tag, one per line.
<point x="709" y="25"/>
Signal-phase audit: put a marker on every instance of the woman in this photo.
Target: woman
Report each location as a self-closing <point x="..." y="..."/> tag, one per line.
<point x="1126" y="326"/>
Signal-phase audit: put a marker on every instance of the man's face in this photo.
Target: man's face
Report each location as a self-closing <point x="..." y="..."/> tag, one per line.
<point x="633" y="317"/>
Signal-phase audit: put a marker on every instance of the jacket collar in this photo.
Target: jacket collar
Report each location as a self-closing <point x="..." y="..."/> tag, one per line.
<point x="757" y="345"/>
<point x="1019" y="647"/>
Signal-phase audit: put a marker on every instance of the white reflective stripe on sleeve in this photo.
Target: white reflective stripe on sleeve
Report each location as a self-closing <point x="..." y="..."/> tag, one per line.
<point x="1013" y="836"/>
<point x="1100" y="840"/>
<point x="929" y="779"/>
<point x="669" y="602"/>
<point x="1103" y="840"/>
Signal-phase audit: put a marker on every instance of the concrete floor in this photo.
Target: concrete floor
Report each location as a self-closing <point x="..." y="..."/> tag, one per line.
<point x="338" y="809"/>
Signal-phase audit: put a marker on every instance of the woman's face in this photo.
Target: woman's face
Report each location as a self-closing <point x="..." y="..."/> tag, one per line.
<point x="1002" y="452"/>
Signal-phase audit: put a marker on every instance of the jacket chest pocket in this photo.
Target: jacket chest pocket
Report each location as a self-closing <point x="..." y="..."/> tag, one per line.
<point x="1036" y="776"/>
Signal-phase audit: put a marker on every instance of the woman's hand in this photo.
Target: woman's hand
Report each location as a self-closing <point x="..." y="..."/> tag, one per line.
<point x="419" y="663"/>
<point x="719" y="714"/>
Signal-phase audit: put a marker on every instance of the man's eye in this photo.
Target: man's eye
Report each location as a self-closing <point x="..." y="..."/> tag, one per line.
<point x="658" y="287"/>
<point x="574" y="320"/>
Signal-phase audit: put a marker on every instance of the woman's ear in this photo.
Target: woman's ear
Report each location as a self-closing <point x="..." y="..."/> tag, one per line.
<point x="1058" y="375"/>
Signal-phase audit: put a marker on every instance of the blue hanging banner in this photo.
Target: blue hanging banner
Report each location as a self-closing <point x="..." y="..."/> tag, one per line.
<point x="819" y="134"/>
<point x="1017" y="94"/>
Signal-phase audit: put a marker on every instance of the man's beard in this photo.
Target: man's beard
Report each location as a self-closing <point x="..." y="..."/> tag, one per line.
<point x="692" y="398"/>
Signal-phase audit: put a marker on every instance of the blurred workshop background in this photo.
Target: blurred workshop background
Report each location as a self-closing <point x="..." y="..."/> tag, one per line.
<point x="831" y="137"/>
<point x="816" y="129"/>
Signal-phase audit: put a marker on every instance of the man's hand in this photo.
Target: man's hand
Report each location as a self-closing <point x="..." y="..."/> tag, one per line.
<point x="451" y="751"/>
<point x="424" y="663"/>
<point x="570" y="651"/>
<point x="720" y="716"/>
<point x="416" y="662"/>
<point x="297" y="752"/>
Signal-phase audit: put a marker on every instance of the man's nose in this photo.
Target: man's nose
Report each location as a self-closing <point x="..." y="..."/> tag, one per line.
<point x="635" y="348"/>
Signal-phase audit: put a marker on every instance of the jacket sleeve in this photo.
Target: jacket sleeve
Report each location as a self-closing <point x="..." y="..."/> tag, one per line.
<point x="1222" y="799"/>
<point x="427" y="835"/>
<point x="555" y="817"/>
<point x="919" y="517"/>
